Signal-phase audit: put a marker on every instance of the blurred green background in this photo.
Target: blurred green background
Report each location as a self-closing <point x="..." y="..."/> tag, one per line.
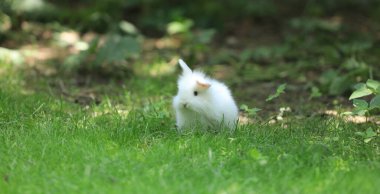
<point x="320" y="48"/>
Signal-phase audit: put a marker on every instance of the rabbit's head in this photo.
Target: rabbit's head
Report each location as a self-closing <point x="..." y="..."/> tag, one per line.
<point x="193" y="90"/>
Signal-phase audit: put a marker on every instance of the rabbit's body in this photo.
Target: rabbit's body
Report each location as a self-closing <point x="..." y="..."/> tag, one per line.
<point x="203" y="102"/>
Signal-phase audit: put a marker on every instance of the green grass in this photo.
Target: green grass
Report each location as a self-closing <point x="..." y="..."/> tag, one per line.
<point x="51" y="146"/>
<point x="128" y="143"/>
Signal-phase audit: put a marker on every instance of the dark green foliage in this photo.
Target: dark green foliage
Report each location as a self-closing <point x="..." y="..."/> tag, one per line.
<point x="109" y="57"/>
<point x="362" y="107"/>
<point x="100" y="15"/>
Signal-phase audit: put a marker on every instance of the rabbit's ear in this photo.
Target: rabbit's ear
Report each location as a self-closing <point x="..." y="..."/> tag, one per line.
<point x="185" y="68"/>
<point x="203" y="85"/>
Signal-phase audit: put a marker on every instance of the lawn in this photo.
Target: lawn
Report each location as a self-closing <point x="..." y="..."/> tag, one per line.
<point x="49" y="145"/>
<point x="86" y="95"/>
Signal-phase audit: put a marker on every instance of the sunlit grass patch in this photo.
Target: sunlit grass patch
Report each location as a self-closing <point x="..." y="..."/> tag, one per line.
<point x="49" y="145"/>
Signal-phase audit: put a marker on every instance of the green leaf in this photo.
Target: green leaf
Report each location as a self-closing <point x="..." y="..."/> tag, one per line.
<point x="353" y="63"/>
<point x="372" y="84"/>
<point x="375" y="102"/>
<point x="117" y="48"/>
<point x="360" y="93"/>
<point x="253" y="111"/>
<point x="280" y="89"/>
<point x="128" y="27"/>
<point x="361" y="104"/>
<point x="346" y="113"/>
<point x="370" y="133"/>
<point x="361" y="107"/>
<point x="255" y="154"/>
<point x="244" y="107"/>
<point x="359" y="85"/>
<point x="250" y="111"/>
<point x="315" y="93"/>
<point x="355" y="46"/>
<point x="366" y="140"/>
<point x="359" y="133"/>
<point x="339" y="85"/>
<point x="360" y="112"/>
<point x="179" y="26"/>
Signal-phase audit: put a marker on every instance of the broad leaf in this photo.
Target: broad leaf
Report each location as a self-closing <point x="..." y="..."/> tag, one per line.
<point x="372" y="84"/>
<point x="375" y="102"/>
<point x="359" y="86"/>
<point x="179" y="27"/>
<point x="361" y="107"/>
<point x="360" y="112"/>
<point x="128" y="27"/>
<point x="360" y="93"/>
<point x="360" y="104"/>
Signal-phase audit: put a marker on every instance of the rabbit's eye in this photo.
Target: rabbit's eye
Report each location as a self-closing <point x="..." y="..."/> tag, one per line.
<point x="195" y="93"/>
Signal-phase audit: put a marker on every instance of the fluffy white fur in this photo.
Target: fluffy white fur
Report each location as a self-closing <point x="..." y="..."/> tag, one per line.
<point x="212" y="107"/>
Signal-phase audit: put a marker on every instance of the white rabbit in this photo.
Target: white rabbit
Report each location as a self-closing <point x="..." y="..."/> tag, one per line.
<point x="203" y="102"/>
